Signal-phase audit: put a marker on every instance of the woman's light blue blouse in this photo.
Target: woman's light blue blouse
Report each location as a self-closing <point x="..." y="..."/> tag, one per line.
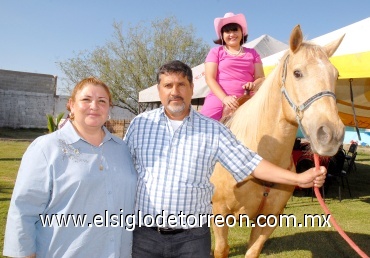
<point x="60" y="176"/>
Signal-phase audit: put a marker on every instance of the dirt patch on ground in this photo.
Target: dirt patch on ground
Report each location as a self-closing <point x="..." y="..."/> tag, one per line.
<point x="363" y="149"/>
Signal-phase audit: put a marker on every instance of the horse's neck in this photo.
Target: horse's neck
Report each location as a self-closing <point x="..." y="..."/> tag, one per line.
<point x="273" y="135"/>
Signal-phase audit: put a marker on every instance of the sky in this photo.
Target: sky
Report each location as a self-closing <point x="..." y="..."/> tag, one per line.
<point x="36" y="34"/>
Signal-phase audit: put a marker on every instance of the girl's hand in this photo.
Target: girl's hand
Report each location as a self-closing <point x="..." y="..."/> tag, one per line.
<point x="251" y="86"/>
<point x="230" y="102"/>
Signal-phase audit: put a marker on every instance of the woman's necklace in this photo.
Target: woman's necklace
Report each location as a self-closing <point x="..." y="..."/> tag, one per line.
<point x="233" y="54"/>
<point x="93" y="147"/>
<point x="101" y="167"/>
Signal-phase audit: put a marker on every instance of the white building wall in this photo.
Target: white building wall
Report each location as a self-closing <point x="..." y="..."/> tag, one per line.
<point x="25" y="99"/>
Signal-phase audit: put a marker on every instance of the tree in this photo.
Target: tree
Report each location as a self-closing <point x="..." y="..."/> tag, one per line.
<point x="128" y="63"/>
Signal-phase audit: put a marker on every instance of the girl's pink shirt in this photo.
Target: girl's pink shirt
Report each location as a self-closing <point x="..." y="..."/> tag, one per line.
<point x="234" y="71"/>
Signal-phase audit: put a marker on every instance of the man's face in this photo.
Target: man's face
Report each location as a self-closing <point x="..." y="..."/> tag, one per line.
<point x="175" y="92"/>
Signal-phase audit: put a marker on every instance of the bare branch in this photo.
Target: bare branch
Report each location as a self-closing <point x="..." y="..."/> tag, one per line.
<point x="128" y="62"/>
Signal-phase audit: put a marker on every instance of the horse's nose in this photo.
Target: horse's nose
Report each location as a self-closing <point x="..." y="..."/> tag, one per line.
<point x="330" y="132"/>
<point x="324" y="135"/>
<point x="329" y="137"/>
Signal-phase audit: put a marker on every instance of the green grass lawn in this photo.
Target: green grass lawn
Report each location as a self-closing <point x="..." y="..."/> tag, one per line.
<point x="10" y="158"/>
<point x="352" y="214"/>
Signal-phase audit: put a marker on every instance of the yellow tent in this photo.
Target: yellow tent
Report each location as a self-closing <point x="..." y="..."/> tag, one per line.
<point x="352" y="59"/>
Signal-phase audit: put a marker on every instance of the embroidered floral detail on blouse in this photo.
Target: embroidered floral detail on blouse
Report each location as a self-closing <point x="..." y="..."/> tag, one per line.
<point x="70" y="152"/>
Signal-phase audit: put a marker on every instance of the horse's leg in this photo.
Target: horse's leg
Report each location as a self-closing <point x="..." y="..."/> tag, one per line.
<point x="258" y="237"/>
<point x="221" y="200"/>
<point x="221" y="244"/>
<point x="278" y="198"/>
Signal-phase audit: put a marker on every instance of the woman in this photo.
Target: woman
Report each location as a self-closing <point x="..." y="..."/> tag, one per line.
<point x="230" y="69"/>
<point x="80" y="173"/>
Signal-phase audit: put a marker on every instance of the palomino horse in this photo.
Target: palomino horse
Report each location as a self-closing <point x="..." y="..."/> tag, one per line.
<point x="268" y="124"/>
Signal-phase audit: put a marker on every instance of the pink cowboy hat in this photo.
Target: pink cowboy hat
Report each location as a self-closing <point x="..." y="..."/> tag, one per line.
<point x="231" y="18"/>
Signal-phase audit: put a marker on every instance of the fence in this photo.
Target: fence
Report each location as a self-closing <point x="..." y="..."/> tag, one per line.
<point x="117" y="127"/>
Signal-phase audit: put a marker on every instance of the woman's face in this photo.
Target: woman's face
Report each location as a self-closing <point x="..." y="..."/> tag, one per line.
<point x="232" y="37"/>
<point x="90" y="107"/>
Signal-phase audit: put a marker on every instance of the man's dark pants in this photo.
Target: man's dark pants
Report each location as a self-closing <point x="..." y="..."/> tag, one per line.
<point x="190" y="243"/>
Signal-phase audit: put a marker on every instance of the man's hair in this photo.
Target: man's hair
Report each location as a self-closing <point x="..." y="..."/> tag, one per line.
<point x="175" y="66"/>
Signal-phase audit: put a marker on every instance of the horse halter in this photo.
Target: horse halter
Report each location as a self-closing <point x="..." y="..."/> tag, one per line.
<point x="299" y="109"/>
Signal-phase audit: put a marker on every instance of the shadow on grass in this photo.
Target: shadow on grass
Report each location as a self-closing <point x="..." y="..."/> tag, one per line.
<point x="10" y="159"/>
<point x="362" y="159"/>
<point x="366" y="200"/>
<point x="5" y="191"/>
<point x="319" y="243"/>
<point x="322" y="243"/>
<point x="21" y="133"/>
<point x="359" y="182"/>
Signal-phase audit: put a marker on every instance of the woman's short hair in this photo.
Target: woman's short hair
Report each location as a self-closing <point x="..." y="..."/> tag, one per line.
<point x="89" y="80"/>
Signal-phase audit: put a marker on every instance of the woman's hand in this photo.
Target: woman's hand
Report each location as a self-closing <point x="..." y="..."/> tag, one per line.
<point x="230" y="102"/>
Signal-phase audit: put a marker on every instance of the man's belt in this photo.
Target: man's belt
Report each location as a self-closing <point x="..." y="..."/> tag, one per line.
<point x="168" y="231"/>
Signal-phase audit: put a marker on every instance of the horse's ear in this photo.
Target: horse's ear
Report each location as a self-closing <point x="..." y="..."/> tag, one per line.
<point x="296" y="38"/>
<point x="333" y="46"/>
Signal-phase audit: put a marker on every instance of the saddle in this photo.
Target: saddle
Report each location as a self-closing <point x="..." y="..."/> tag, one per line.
<point x="227" y="112"/>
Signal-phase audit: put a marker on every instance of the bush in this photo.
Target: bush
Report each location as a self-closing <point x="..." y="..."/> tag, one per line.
<point x="53" y="123"/>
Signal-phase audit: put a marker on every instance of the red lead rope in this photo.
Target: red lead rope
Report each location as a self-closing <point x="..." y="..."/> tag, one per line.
<point x="332" y="220"/>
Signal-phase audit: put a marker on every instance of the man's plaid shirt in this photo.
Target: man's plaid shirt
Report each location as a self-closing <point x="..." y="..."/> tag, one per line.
<point x="174" y="168"/>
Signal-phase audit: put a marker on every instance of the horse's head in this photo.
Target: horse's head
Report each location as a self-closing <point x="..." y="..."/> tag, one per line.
<point x="308" y="84"/>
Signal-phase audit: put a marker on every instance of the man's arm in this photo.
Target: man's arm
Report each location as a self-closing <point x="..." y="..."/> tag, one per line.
<point x="272" y="173"/>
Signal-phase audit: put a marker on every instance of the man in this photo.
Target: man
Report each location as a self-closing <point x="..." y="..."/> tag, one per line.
<point x="175" y="149"/>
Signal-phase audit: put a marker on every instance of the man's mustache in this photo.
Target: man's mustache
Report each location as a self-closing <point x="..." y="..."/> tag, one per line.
<point x="175" y="98"/>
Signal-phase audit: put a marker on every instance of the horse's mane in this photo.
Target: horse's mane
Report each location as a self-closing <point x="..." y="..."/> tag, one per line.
<point x="247" y="118"/>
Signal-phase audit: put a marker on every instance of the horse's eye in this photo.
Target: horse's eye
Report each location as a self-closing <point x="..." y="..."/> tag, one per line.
<point x="298" y="74"/>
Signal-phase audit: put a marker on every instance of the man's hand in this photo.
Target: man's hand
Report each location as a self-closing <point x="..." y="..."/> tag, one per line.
<point x="312" y="177"/>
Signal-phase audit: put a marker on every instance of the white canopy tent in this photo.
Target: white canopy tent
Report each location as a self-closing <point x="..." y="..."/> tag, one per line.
<point x="264" y="45"/>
